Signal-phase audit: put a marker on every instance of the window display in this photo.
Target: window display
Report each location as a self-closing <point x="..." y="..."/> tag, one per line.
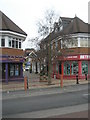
<point x="11" y="70"/>
<point x="84" y="67"/>
<point x="66" y="68"/>
<point x="14" y="70"/>
<point x="74" y="67"/>
<point x="70" y="68"/>
<point x="57" y="68"/>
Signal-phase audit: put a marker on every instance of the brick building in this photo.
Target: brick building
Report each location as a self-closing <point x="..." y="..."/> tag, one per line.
<point x="11" y="52"/>
<point x="69" y="49"/>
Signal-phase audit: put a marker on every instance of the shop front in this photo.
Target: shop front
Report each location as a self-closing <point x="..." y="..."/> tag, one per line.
<point x="12" y="68"/>
<point x="69" y="66"/>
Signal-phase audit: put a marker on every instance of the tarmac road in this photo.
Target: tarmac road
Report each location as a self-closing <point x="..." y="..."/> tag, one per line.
<point x="16" y="106"/>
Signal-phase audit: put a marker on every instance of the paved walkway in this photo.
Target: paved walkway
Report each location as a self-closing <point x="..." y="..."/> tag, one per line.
<point x="34" y="82"/>
<point x="81" y="111"/>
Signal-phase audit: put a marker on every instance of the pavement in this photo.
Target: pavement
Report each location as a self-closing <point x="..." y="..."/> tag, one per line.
<point x="16" y="89"/>
<point x="34" y="83"/>
<point x="37" y="87"/>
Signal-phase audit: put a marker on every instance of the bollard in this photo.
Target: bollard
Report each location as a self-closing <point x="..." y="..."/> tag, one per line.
<point x="25" y="83"/>
<point x="86" y="76"/>
<point x="77" y="79"/>
<point x="61" y="83"/>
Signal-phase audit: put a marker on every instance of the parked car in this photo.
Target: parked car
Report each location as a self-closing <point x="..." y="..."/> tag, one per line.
<point x="27" y="68"/>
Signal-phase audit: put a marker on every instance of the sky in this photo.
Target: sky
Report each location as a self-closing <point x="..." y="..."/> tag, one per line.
<point x="26" y="13"/>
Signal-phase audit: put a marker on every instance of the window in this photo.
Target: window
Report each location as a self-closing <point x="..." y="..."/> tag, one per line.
<point x="66" y="68"/>
<point x="57" y="68"/>
<point x="13" y="43"/>
<point x="44" y="46"/>
<point x="74" y="67"/>
<point x="16" y="44"/>
<point x="14" y="70"/>
<point x="69" y="42"/>
<point x="56" y="44"/>
<point x="11" y="70"/>
<point x="51" y="46"/>
<point x="84" y="42"/>
<point x="3" y="42"/>
<point x="19" y="44"/>
<point x="9" y="43"/>
<point x="84" y="67"/>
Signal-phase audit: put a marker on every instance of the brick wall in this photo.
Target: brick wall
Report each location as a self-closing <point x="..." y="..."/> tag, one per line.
<point x="11" y="52"/>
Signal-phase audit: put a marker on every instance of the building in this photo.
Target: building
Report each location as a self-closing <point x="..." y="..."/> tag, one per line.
<point x="30" y="64"/>
<point x="69" y="49"/>
<point x="11" y="52"/>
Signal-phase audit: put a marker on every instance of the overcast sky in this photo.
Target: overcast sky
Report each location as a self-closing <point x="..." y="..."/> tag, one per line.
<point x="26" y="13"/>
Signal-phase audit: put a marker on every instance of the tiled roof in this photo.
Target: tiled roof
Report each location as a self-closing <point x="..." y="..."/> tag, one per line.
<point x="9" y="25"/>
<point x="76" y="26"/>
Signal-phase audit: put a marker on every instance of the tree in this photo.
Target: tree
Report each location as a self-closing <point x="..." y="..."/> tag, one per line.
<point x="45" y="28"/>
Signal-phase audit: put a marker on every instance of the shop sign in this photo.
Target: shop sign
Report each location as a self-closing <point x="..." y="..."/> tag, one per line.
<point x="84" y="56"/>
<point x="15" y="59"/>
<point x="72" y="57"/>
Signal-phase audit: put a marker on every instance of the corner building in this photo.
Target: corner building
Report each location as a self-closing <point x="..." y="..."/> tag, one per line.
<point x="70" y="49"/>
<point x="11" y="52"/>
<point x="75" y="56"/>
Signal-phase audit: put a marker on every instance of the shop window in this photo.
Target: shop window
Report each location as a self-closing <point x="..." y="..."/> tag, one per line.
<point x="3" y="42"/>
<point x="84" y="67"/>
<point x="66" y="68"/>
<point x="11" y="70"/>
<point x="14" y="70"/>
<point x="74" y="67"/>
<point x="57" y="68"/>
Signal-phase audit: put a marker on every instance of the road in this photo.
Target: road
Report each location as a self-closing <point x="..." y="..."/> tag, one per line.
<point x="32" y="104"/>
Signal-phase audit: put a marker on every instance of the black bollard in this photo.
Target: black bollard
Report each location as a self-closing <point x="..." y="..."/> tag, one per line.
<point x="77" y="82"/>
<point x="86" y="76"/>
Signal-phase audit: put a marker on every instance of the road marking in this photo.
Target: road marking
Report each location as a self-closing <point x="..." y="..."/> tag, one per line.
<point x="86" y="94"/>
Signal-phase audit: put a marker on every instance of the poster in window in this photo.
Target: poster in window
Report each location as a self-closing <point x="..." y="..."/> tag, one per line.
<point x="16" y="70"/>
<point x="11" y="70"/>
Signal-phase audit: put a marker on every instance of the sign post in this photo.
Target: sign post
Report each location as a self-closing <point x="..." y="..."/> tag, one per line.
<point x="25" y="83"/>
<point x="61" y="83"/>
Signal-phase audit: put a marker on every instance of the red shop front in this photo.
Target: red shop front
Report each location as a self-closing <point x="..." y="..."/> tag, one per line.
<point x="70" y="65"/>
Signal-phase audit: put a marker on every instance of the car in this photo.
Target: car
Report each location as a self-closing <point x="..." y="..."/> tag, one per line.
<point x="27" y="68"/>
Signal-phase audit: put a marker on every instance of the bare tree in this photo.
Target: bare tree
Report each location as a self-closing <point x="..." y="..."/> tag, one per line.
<point x="34" y="42"/>
<point x="45" y="28"/>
